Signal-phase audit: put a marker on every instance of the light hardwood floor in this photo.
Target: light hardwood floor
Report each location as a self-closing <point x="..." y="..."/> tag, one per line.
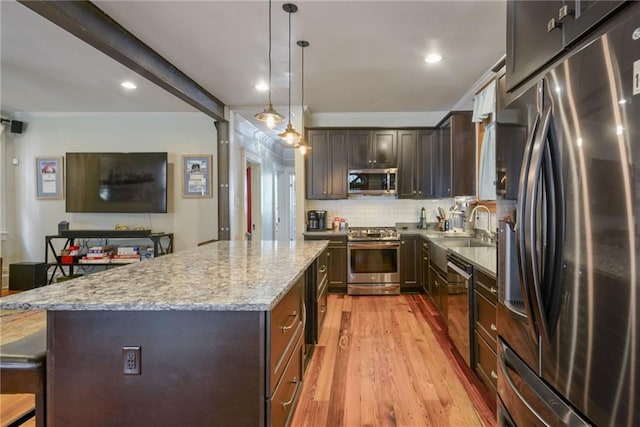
<point x="381" y="361"/>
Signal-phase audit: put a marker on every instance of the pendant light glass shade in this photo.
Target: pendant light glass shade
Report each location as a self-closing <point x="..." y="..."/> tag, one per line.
<point x="290" y="135"/>
<point x="302" y="146"/>
<point x="269" y="115"/>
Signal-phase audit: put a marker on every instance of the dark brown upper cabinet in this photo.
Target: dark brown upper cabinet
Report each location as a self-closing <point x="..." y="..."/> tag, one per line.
<point x="372" y="149"/>
<point x="416" y="164"/>
<point x="326" y="170"/>
<point x="456" y="154"/>
<point x="539" y="31"/>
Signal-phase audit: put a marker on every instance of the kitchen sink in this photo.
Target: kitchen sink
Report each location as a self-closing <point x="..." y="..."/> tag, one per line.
<point x="465" y="243"/>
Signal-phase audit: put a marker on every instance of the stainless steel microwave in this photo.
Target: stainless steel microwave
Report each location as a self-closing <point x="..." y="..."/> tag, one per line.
<point x="373" y="181"/>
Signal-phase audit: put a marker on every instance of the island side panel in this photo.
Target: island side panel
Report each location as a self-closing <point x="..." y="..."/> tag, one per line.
<point x="197" y="368"/>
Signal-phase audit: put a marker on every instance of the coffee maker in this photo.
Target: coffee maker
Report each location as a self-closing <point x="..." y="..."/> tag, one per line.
<point x="312" y="221"/>
<point x="316" y="220"/>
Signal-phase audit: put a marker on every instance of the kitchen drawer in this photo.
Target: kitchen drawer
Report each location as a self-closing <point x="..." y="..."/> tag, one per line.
<point x="323" y="268"/>
<point x="486" y="285"/>
<point x="285" y="329"/>
<point x="486" y="363"/>
<point x="322" y="305"/>
<point x="485" y="318"/>
<point x="285" y="396"/>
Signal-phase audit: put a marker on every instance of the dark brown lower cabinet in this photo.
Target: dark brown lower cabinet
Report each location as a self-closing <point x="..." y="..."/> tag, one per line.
<point x="197" y="368"/>
<point x="337" y="260"/>
<point x="485" y="334"/>
<point x="409" y="265"/>
<point x="424" y="260"/>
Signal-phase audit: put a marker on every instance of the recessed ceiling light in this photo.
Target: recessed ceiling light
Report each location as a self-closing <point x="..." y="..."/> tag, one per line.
<point x="129" y="85"/>
<point x="262" y="87"/>
<point x="433" y="58"/>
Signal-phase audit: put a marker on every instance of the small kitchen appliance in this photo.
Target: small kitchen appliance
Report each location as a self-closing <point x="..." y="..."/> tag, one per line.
<point x="312" y="221"/>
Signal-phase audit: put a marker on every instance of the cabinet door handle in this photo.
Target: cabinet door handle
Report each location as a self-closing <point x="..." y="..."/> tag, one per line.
<point x="323" y="269"/>
<point x="493" y="290"/>
<point x="402" y="243"/>
<point x="552" y="25"/>
<point x="375" y="161"/>
<point x="295" y="391"/>
<point x="324" y="309"/>
<point x="494" y="375"/>
<point x="295" y="318"/>
<point x="424" y="258"/>
<point x="494" y="327"/>
<point x="563" y="12"/>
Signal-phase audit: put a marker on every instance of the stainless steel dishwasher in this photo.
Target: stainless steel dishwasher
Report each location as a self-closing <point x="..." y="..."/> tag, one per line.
<point x="459" y="277"/>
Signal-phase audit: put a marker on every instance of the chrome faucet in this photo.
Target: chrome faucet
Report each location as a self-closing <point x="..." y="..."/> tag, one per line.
<point x="473" y="218"/>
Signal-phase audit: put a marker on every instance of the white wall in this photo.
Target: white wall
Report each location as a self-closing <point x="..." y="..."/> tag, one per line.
<point x="29" y="219"/>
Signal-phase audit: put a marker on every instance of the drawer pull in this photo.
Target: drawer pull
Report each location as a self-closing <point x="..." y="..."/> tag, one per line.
<point x="323" y="269"/>
<point x="493" y="290"/>
<point x="494" y="327"/>
<point x="494" y="375"/>
<point x="295" y="391"/>
<point x="295" y="318"/>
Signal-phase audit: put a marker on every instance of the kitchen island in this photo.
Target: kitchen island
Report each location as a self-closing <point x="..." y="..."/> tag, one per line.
<point x="208" y="336"/>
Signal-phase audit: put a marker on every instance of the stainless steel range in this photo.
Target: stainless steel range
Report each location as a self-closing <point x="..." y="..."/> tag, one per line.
<point x="373" y="261"/>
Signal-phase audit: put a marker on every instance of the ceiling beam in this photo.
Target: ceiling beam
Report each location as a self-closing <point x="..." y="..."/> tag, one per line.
<point x="87" y="22"/>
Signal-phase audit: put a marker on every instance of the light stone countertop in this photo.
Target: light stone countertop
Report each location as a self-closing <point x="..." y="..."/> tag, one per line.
<point x="221" y="276"/>
<point x="485" y="258"/>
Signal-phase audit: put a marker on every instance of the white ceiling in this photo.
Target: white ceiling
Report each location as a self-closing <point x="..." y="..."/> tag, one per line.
<point x="364" y="56"/>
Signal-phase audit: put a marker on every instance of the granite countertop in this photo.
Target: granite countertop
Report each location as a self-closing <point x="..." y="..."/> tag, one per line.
<point x="221" y="276"/>
<point x="485" y="258"/>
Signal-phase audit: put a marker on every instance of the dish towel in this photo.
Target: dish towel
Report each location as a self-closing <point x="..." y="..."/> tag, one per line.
<point x="484" y="103"/>
<point x="487" y="176"/>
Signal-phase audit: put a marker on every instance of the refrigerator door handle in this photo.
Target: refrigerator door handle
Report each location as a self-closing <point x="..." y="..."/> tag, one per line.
<point x="550" y="295"/>
<point x="522" y="251"/>
<point x="510" y="365"/>
<point x="546" y="264"/>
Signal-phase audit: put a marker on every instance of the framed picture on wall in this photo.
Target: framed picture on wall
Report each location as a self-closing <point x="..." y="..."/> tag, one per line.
<point x="196" y="176"/>
<point x="49" y="178"/>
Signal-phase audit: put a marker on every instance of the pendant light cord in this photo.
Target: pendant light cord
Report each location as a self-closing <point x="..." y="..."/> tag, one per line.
<point x="289" y="67"/>
<point x="269" y="52"/>
<point x="302" y="101"/>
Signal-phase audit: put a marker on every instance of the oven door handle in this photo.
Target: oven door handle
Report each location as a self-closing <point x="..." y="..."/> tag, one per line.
<point x="374" y="245"/>
<point x="466" y="276"/>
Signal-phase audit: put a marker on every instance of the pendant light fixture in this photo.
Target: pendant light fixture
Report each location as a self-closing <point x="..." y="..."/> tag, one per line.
<point x="290" y="135"/>
<point x="269" y="115"/>
<point x="302" y="146"/>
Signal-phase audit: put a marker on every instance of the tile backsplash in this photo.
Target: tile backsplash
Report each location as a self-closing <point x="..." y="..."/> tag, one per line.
<point x="386" y="212"/>
<point x="378" y="210"/>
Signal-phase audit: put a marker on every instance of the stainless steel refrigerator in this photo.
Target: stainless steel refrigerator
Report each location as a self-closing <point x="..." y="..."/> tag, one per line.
<point x="569" y="301"/>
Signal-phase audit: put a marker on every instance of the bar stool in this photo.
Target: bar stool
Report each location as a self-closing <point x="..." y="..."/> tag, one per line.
<point x="23" y="369"/>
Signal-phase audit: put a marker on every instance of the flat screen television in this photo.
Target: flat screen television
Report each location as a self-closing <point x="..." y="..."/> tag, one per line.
<point x="116" y="182"/>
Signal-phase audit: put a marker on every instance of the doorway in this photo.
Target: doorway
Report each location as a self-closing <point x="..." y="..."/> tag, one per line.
<point x="284" y="205"/>
<point x="253" y="201"/>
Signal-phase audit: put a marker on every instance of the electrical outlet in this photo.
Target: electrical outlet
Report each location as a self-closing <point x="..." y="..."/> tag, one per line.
<point x="131" y="360"/>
